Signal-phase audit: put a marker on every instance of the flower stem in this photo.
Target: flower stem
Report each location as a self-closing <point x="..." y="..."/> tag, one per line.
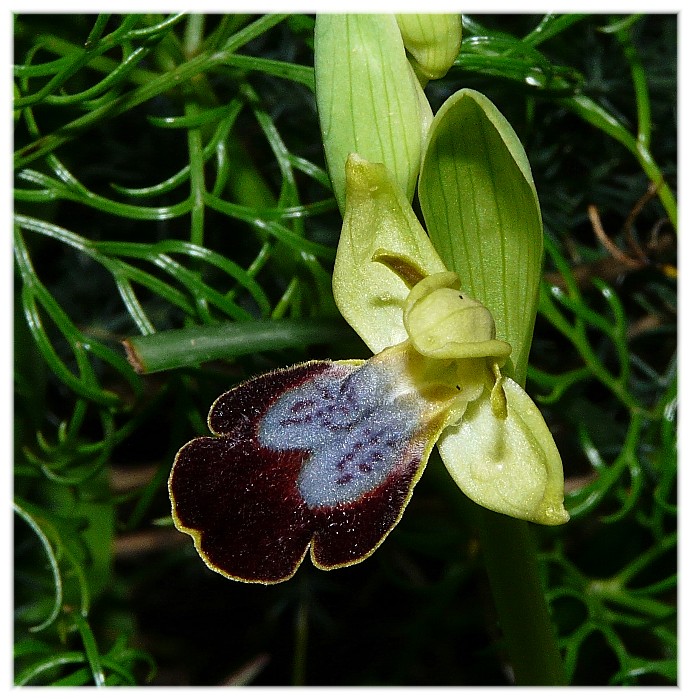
<point x="510" y="557"/>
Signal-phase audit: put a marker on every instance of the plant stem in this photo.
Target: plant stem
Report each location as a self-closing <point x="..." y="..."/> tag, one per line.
<point x="510" y="557"/>
<point x="191" y="346"/>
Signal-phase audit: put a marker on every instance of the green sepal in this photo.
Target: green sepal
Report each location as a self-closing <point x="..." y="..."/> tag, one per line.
<point x="482" y="213"/>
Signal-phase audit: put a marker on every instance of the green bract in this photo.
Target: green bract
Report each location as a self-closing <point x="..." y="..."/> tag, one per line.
<point x="369" y="99"/>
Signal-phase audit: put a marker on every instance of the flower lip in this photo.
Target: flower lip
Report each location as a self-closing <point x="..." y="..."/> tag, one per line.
<point x="320" y="456"/>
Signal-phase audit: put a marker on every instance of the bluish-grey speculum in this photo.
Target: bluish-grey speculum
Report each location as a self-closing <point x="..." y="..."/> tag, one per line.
<point x="356" y="428"/>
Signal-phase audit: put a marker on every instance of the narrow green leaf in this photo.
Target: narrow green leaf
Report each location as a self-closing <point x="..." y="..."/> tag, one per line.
<point x="54" y="567"/>
<point x="90" y="648"/>
<point x="482" y="214"/>
<point x="280" y="69"/>
<point x="29" y="674"/>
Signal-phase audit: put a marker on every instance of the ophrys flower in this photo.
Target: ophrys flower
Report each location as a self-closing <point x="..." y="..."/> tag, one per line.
<point x="325" y="455"/>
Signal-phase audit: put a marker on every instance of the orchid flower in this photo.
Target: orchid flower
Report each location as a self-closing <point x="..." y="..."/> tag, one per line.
<point x="323" y="456"/>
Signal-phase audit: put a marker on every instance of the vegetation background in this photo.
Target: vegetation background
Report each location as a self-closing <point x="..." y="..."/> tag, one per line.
<point x="169" y="175"/>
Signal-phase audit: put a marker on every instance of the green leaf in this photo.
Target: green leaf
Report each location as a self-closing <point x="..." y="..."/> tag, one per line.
<point x="482" y="213"/>
<point x="368" y="97"/>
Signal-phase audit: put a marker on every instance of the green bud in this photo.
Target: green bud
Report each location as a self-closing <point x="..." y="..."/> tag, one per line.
<point x="432" y="41"/>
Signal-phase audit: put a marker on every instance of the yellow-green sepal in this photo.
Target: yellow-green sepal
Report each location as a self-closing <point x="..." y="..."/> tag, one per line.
<point x="379" y="222"/>
<point x="432" y="41"/>
<point x="507" y="464"/>
<point x="368" y="97"/>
